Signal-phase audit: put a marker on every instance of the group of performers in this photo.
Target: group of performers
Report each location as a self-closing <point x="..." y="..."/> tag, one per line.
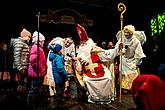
<point x="92" y="67"/>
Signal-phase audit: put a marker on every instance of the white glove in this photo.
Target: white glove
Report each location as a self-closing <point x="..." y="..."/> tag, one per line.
<point x="133" y="66"/>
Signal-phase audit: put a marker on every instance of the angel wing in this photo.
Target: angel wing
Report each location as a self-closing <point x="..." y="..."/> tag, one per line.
<point x="140" y="35"/>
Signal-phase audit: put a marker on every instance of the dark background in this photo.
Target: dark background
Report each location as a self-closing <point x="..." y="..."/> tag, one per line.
<point x="16" y="15"/>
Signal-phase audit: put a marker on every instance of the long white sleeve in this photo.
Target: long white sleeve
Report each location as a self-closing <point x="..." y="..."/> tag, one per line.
<point x="108" y="55"/>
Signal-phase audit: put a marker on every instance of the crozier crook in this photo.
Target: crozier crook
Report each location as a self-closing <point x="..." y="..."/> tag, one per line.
<point x="122" y="8"/>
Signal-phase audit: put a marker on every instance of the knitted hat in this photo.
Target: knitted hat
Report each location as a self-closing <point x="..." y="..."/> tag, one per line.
<point x="25" y="33"/>
<point x="55" y="47"/>
<point x="82" y="33"/>
<point x="35" y="37"/>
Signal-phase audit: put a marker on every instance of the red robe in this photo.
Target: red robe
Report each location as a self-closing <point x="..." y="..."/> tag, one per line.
<point x="149" y="92"/>
<point x="96" y="67"/>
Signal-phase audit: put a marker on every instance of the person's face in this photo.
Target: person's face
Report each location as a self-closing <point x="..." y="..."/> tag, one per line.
<point x="68" y="43"/>
<point x="110" y="44"/>
<point x="82" y="43"/>
<point x="60" y="52"/>
<point x="127" y="35"/>
<point x="5" y="47"/>
<point x="42" y="43"/>
<point x="27" y="38"/>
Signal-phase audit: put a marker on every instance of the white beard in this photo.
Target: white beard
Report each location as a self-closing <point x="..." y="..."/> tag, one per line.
<point x="85" y="50"/>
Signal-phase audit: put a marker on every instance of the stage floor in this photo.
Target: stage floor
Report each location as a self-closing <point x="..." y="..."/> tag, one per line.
<point x="10" y="102"/>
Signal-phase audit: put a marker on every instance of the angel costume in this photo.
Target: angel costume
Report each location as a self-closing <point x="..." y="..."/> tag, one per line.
<point x="132" y="54"/>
